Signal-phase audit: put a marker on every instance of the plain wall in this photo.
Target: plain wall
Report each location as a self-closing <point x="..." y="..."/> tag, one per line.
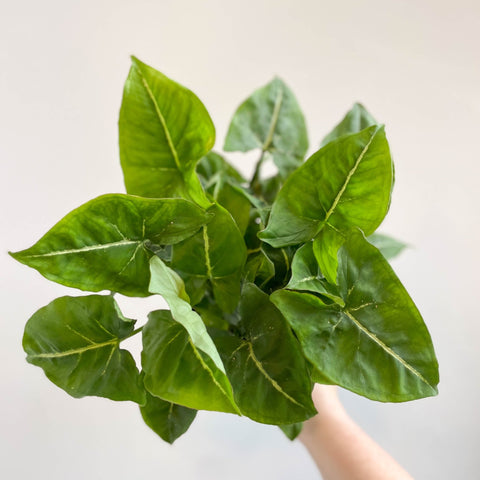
<point x="414" y="64"/>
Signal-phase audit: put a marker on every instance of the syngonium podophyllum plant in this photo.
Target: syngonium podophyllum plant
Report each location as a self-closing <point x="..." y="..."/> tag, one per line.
<point x="272" y="284"/>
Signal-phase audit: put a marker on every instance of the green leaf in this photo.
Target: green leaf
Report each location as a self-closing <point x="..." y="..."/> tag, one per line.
<point x="211" y="314"/>
<point x="102" y="245"/>
<point x="179" y="372"/>
<point x="216" y="253"/>
<point x="232" y="199"/>
<point x="292" y="431"/>
<point x="269" y="188"/>
<point x="377" y="345"/>
<point x="164" y="129"/>
<point x="212" y="166"/>
<point x="265" y="365"/>
<point x="346" y="183"/>
<point x="271" y="120"/>
<point x="167" y="283"/>
<point x="167" y="419"/>
<point x="356" y="120"/>
<point x="325" y="249"/>
<point x="222" y="182"/>
<point x="259" y="269"/>
<point x="282" y="260"/>
<point x="307" y="276"/>
<point x="76" y="342"/>
<point x="388" y="246"/>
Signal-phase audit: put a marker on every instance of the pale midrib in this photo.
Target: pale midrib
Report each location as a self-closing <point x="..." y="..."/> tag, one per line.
<point x="75" y="351"/>
<point x="274" y="121"/>
<point x="88" y="248"/>
<point x="207" y="253"/>
<point x="386" y="348"/>
<point x="274" y="384"/>
<point x="209" y="371"/>
<point x="349" y="176"/>
<point x="162" y="121"/>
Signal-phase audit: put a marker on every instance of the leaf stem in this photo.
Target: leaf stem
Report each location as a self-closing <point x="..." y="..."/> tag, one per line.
<point x="137" y="330"/>
<point x="256" y="173"/>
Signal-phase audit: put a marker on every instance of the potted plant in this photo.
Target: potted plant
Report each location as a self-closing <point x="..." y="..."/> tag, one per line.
<point x="273" y="284"/>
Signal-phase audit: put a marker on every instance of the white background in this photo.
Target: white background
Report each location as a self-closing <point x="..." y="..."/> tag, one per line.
<point x="414" y="64"/>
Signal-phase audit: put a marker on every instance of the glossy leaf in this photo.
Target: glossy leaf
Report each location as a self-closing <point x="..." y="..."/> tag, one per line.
<point x="265" y="365"/>
<point x="377" y="345"/>
<point x="179" y="372"/>
<point x="356" y="120"/>
<point x="307" y="276"/>
<point x="388" y="246"/>
<point x="164" y="130"/>
<point x="270" y="120"/>
<point x="167" y="283"/>
<point x="102" y="245"/>
<point x="76" y="342"/>
<point x="167" y="419"/>
<point x="216" y="253"/>
<point x="325" y="248"/>
<point x="346" y="183"/>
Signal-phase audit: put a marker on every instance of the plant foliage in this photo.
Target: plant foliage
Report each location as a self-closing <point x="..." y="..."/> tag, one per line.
<point x="272" y="284"/>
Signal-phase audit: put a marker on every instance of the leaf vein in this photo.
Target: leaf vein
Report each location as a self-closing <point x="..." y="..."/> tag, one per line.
<point x="162" y="121"/>
<point x="387" y="349"/>
<point x="274" y="384"/>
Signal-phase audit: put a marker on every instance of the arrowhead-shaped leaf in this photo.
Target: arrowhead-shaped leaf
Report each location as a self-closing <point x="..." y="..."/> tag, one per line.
<point x="167" y="419"/>
<point x="179" y="372"/>
<point x="76" y="342"/>
<point x="266" y="367"/>
<point x="270" y="120"/>
<point x="102" y="245"/>
<point x="356" y="120"/>
<point x="164" y="130"/>
<point x="346" y="183"/>
<point x="377" y="345"/>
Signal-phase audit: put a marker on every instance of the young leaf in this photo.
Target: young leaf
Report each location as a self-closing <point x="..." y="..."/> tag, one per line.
<point x="356" y="120"/>
<point x="271" y="120"/>
<point x="76" y="342"/>
<point x="388" y="246"/>
<point x="346" y="183"/>
<point x="102" y="244"/>
<point x="164" y="130"/>
<point x="167" y="283"/>
<point x="167" y="419"/>
<point x="179" y="372"/>
<point x="222" y="181"/>
<point x="307" y="276"/>
<point x="377" y="344"/>
<point x="266" y="367"/>
<point x="216" y="253"/>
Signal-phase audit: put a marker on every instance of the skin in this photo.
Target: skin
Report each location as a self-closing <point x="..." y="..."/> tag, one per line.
<point x="340" y="448"/>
